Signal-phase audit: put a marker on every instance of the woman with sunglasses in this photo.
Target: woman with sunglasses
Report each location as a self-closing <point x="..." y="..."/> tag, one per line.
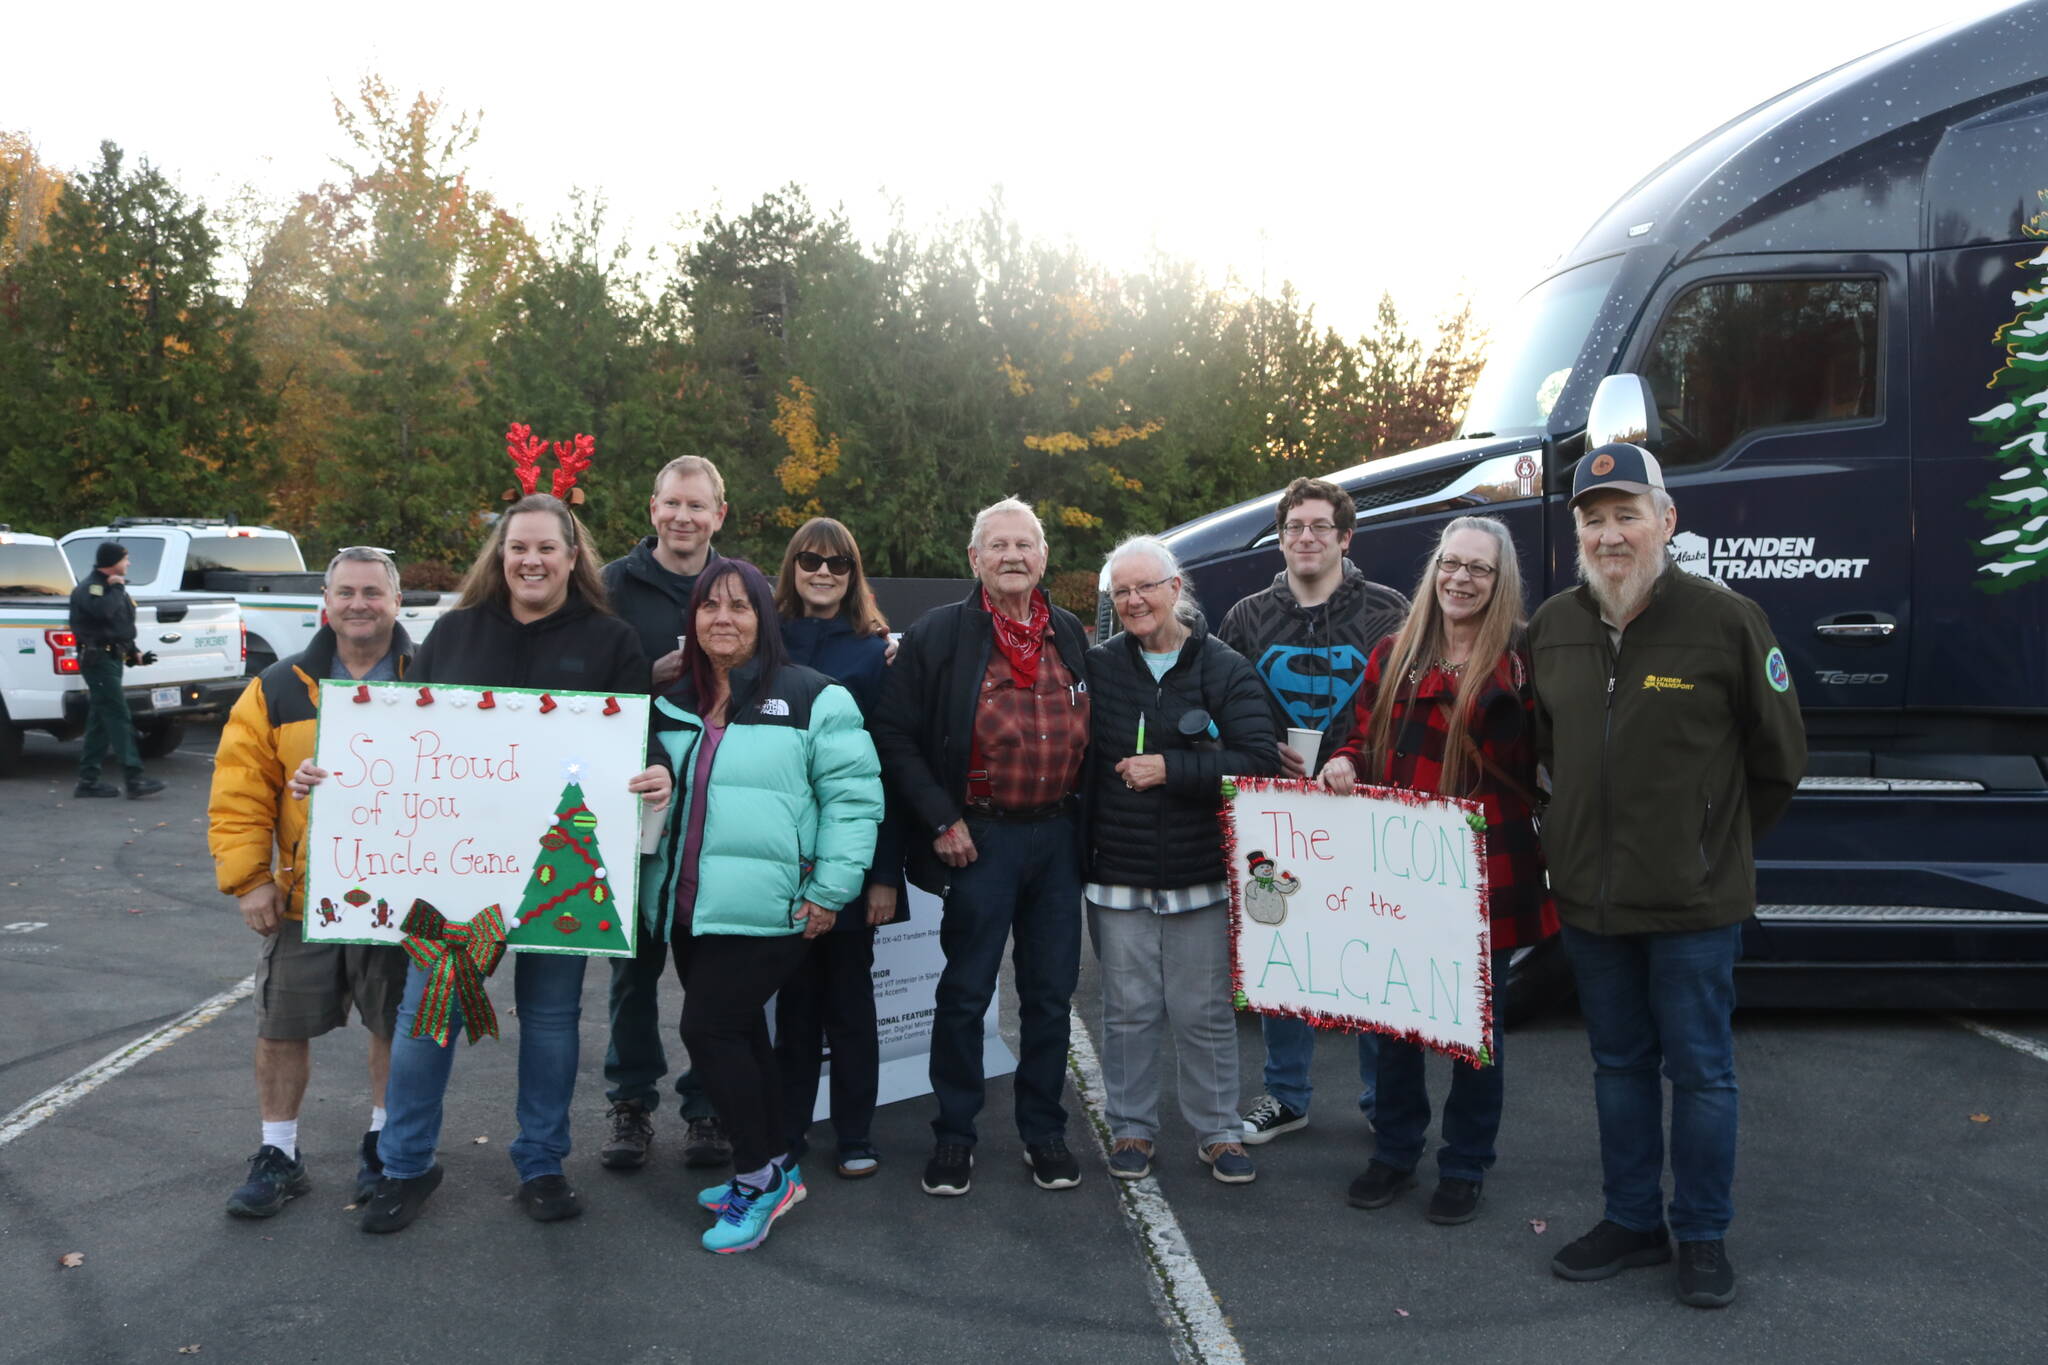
<point x="830" y="623"/>
<point x="1446" y="708"/>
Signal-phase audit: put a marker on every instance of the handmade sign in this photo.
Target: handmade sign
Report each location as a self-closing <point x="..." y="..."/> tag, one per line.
<point x="1359" y="912"/>
<point x="467" y="799"/>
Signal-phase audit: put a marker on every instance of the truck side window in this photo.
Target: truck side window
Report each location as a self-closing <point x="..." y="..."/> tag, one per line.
<point x="1735" y="356"/>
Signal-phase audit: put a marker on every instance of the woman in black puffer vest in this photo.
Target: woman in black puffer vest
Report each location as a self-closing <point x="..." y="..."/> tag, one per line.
<point x="1175" y="711"/>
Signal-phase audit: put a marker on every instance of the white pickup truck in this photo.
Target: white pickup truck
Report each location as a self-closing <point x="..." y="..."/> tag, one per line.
<point x="197" y="639"/>
<point x="259" y="566"/>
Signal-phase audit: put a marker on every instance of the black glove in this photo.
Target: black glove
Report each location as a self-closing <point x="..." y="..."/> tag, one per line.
<point x="140" y="660"/>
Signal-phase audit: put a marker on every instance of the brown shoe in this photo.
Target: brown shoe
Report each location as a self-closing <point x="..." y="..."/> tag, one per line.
<point x="632" y="1134"/>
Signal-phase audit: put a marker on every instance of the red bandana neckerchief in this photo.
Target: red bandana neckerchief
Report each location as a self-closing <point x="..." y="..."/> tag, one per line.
<point x="1021" y="641"/>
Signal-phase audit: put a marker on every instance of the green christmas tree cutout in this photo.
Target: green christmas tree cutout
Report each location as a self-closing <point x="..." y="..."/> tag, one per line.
<point x="568" y="902"/>
<point x="2016" y="501"/>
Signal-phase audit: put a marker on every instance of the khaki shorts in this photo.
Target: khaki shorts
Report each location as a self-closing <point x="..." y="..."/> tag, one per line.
<point x="305" y="989"/>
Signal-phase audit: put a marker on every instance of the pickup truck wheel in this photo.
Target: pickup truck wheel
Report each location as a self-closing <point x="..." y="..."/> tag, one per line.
<point x="1538" y="979"/>
<point x="259" y="659"/>
<point x="159" y="737"/>
<point x="10" y="746"/>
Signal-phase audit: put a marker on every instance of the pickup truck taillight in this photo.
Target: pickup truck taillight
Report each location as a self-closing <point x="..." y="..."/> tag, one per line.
<point x="63" y="650"/>
<point x="245" y="644"/>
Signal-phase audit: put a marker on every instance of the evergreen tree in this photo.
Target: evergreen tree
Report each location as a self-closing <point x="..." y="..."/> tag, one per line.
<point x="127" y="386"/>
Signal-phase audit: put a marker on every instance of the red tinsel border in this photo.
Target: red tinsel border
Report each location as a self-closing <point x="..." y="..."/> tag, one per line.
<point x="1347" y="1023"/>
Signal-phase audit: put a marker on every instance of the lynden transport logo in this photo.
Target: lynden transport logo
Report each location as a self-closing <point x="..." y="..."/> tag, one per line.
<point x="1731" y="559"/>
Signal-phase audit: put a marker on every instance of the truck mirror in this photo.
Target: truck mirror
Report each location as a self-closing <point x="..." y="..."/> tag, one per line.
<point x="1623" y="409"/>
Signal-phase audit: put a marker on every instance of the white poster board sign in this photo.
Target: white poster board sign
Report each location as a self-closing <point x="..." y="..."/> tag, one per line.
<point x="1365" y="911"/>
<point x="468" y="797"/>
<point x="908" y="961"/>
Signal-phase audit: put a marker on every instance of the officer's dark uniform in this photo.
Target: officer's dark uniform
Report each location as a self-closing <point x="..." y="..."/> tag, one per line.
<point x="103" y="619"/>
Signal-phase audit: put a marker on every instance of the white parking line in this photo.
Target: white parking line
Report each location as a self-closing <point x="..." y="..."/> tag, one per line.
<point x="75" y="1088"/>
<point x="1201" y="1334"/>
<point x="2036" y="1050"/>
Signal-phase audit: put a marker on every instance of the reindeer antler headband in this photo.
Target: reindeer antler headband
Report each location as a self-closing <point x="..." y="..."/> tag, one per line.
<point x="525" y="449"/>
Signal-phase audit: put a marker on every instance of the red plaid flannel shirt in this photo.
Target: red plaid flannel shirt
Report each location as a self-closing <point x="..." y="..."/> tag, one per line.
<point x="1030" y="743"/>
<point x="1522" y="911"/>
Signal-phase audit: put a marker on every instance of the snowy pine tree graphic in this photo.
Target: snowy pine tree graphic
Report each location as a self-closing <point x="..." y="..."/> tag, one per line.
<point x="2016" y="501"/>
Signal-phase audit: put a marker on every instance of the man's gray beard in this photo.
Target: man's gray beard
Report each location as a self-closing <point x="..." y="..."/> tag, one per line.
<point x="1620" y="603"/>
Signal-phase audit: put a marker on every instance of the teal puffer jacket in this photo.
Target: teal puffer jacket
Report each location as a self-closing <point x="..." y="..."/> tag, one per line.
<point x="790" y="810"/>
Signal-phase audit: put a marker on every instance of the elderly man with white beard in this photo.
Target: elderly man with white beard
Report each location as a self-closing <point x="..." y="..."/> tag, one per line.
<point x="1666" y="719"/>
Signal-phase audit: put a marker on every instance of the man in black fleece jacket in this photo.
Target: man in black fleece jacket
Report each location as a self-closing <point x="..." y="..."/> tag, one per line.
<point x="650" y="589"/>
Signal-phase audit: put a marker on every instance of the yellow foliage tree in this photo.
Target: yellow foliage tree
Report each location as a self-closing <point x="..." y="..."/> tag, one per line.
<point x="28" y="192"/>
<point x="813" y="455"/>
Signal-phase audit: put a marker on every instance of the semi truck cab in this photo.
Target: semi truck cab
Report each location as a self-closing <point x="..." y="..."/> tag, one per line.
<point x="1829" y="320"/>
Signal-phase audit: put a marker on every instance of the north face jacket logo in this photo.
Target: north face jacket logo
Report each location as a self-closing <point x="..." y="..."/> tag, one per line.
<point x="775" y="706"/>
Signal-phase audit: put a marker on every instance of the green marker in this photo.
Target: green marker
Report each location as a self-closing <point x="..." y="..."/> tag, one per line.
<point x="1141" y="732"/>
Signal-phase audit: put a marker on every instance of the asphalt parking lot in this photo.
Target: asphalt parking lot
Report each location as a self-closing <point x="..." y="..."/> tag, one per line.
<point x="1891" y="1205"/>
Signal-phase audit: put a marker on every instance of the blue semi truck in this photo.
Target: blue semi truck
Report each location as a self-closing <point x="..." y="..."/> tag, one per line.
<point x="1829" y="319"/>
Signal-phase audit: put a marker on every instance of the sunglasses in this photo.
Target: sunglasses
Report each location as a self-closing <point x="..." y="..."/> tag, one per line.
<point x="810" y="561"/>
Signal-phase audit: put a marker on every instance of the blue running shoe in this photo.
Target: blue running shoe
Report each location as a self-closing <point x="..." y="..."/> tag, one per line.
<point x="273" y="1178"/>
<point x="712" y="1197"/>
<point x="748" y="1214"/>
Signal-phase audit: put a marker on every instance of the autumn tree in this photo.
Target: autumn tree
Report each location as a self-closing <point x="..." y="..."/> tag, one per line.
<point x="127" y="386"/>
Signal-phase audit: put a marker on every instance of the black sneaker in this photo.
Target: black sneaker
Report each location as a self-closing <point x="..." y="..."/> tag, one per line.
<point x="1455" y="1201"/>
<point x="1610" y="1249"/>
<point x="706" y="1144"/>
<point x="143" y="786"/>
<point x="632" y="1132"/>
<point x="369" y="1169"/>
<point x="548" y="1199"/>
<point x="1377" y="1185"/>
<point x="395" y="1203"/>
<point x="1705" y="1278"/>
<point x="951" y="1169"/>
<point x="1268" y="1118"/>
<point x="273" y="1178"/>
<point x="95" y="788"/>
<point x="1052" y="1166"/>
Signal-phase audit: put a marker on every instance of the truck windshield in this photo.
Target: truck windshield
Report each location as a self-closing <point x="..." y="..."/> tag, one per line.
<point x="33" y="570"/>
<point x="1535" y="350"/>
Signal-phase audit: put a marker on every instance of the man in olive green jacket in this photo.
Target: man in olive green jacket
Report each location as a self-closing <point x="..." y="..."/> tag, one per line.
<point x="1666" y="719"/>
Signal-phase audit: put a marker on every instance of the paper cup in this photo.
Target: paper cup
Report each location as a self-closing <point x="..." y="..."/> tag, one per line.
<point x="1305" y="743"/>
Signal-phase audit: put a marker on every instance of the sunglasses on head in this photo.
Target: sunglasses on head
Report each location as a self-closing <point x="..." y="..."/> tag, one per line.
<point x="810" y="561"/>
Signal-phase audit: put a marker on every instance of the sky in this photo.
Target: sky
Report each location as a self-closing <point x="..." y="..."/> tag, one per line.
<point x="1423" y="149"/>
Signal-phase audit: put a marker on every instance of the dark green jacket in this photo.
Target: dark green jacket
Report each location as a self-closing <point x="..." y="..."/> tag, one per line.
<point x="102" y="615"/>
<point x="1666" y="760"/>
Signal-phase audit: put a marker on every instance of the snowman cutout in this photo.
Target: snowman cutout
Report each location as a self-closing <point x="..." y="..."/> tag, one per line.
<point x="1264" y="894"/>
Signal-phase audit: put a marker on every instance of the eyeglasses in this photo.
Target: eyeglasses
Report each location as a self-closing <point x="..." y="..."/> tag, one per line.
<point x="810" y="561"/>
<point x="1295" y="530"/>
<point x="1449" y="568"/>
<point x="1122" y="595"/>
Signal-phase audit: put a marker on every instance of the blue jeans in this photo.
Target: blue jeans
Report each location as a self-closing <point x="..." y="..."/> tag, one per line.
<point x="1291" y="1049"/>
<point x="547" y="990"/>
<point x="1025" y="883"/>
<point x="1669" y="998"/>
<point x="1471" y="1110"/>
<point x="634" y="1062"/>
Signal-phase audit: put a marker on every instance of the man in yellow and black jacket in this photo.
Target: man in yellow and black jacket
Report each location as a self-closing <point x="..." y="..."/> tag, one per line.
<point x="257" y="833"/>
<point x="1666" y="720"/>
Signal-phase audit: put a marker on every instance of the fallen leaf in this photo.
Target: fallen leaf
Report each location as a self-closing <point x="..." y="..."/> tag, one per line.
<point x="1402" y="1311"/>
<point x="1980" y="1118"/>
<point x="71" y="1260"/>
<point x="191" y="1350"/>
<point x="1538" y="1226"/>
<point x="481" y="1141"/>
<point x="135" y="910"/>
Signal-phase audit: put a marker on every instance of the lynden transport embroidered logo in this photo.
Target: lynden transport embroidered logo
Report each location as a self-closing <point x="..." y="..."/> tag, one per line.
<point x="1775" y="670"/>
<point x="775" y="706"/>
<point x="1653" y="683"/>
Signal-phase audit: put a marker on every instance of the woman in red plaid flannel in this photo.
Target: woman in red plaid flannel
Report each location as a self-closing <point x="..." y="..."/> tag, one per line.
<point x="1445" y="708"/>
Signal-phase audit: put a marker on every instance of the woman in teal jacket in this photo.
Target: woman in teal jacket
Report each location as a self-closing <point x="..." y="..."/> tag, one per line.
<point x="778" y="794"/>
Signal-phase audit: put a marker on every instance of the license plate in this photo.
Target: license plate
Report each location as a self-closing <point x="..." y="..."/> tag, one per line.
<point x="163" y="698"/>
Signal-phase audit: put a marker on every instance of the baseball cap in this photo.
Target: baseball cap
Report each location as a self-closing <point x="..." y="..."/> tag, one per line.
<point x="1623" y="467"/>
